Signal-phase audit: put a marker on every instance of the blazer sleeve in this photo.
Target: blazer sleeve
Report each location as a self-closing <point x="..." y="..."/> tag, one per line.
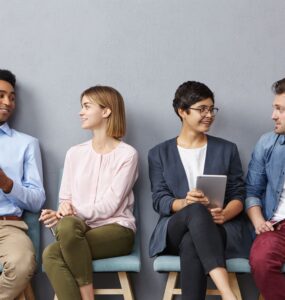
<point x="161" y="194"/>
<point x="235" y="184"/>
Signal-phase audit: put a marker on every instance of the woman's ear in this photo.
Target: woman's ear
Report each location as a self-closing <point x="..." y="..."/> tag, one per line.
<point x="181" y="113"/>
<point x="107" y="112"/>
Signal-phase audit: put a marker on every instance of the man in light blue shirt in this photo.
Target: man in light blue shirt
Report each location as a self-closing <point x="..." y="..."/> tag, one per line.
<point x="21" y="189"/>
<point x="265" y="203"/>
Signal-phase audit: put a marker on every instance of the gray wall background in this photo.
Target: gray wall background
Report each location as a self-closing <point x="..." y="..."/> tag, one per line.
<point x="145" y="49"/>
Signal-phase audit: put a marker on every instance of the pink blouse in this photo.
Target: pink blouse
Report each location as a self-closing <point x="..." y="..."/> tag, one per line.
<point x="99" y="186"/>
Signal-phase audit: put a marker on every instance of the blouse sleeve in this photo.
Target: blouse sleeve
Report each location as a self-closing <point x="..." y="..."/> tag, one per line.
<point x="120" y="188"/>
<point x="65" y="192"/>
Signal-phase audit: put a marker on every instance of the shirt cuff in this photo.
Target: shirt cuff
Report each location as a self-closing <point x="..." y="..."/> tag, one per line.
<point x="252" y="201"/>
<point x="16" y="191"/>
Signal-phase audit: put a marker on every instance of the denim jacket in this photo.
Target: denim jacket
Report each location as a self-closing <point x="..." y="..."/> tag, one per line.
<point x="266" y="174"/>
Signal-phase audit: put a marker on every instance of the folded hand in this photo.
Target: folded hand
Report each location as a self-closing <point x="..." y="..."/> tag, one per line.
<point x="218" y="215"/>
<point x="65" y="209"/>
<point x="196" y="196"/>
<point x="48" y="217"/>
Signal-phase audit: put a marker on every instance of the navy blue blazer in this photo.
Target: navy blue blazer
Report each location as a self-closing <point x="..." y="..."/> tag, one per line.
<point x="168" y="182"/>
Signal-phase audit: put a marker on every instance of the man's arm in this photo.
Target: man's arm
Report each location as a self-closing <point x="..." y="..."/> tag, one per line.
<point x="256" y="182"/>
<point x="29" y="193"/>
<point x="258" y="221"/>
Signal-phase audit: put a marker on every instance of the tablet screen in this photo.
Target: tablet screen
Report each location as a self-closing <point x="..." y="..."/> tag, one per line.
<point x="214" y="187"/>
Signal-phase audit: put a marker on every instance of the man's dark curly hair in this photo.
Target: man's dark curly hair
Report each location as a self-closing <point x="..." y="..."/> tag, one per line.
<point x="8" y="76"/>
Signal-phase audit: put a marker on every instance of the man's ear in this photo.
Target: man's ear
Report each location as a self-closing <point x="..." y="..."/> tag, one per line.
<point x="107" y="112"/>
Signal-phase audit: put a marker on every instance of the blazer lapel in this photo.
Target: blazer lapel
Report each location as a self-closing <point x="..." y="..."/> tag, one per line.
<point x="208" y="160"/>
<point x="213" y="160"/>
<point x="179" y="178"/>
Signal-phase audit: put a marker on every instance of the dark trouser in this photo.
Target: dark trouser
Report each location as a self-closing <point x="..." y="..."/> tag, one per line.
<point x="200" y="243"/>
<point x="68" y="261"/>
<point x="267" y="256"/>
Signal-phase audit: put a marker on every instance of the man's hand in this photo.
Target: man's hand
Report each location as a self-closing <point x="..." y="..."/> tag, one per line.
<point x="263" y="226"/>
<point x="6" y="184"/>
<point x="258" y="221"/>
<point x="196" y="196"/>
<point x="218" y="215"/>
<point x="65" y="209"/>
<point x="48" y="217"/>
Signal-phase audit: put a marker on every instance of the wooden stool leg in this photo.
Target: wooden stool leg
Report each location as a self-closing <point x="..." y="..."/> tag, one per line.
<point x="234" y="285"/>
<point x="126" y="287"/>
<point x="27" y="294"/>
<point x="260" y="297"/>
<point x="170" y="286"/>
<point x="21" y="296"/>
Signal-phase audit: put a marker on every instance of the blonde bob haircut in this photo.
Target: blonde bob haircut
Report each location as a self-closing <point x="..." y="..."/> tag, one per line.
<point x="108" y="97"/>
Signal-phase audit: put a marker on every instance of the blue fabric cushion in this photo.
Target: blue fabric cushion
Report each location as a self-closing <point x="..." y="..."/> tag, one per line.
<point x="171" y="263"/>
<point x="126" y="263"/>
<point x="32" y="220"/>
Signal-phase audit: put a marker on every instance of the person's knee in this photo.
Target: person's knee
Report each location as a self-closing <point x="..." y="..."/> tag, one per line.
<point x="197" y="208"/>
<point x="262" y="260"/>
<point x="68" y="227"/>
<point x="20" y="265"/>
<point x="197" y="212"/>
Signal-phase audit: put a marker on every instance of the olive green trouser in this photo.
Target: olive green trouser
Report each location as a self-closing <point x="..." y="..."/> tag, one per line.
<point x="68" y="261"/>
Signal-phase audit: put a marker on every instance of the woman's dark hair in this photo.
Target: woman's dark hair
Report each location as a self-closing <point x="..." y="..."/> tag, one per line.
<point x="278" y="87"/>
<point x="8" y="76"/>
<point x="189" y="93"/>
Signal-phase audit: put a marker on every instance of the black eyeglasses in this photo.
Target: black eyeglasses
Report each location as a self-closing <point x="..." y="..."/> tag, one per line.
<point x="205" y="109"/>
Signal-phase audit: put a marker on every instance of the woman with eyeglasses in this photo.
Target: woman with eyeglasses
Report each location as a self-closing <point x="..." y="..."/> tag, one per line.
<point x="202" y="236"/>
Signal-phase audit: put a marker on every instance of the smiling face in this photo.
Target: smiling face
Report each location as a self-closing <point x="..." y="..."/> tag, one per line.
<point x="192" y="119"/>
<point x="7" y="101"/>
<point x="92" y="115"/>
<point x="278" y="114"/>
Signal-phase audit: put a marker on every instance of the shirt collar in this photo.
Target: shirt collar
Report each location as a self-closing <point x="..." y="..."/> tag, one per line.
<point x="282" y="139"/>
<point x="6" y="129"/>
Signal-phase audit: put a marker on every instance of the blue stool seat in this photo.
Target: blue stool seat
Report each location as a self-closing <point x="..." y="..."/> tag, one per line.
<point x="120" y="265"/>
<point x="126" y="263"/>
<point x="171" y="265"/>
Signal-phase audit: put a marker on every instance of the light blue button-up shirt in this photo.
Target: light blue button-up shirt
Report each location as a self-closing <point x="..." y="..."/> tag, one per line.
<point x="266" y="174"/>
<point x="20" y="159"/>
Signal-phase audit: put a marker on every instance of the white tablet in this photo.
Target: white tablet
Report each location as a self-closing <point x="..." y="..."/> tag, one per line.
<point x="214" y="187"/>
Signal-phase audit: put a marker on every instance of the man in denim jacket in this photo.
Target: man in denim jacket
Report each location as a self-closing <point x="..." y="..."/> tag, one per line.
<point x="265" y="203"/>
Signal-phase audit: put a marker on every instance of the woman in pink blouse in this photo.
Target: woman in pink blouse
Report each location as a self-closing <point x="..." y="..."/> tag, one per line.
<point x="95" y="215"/>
